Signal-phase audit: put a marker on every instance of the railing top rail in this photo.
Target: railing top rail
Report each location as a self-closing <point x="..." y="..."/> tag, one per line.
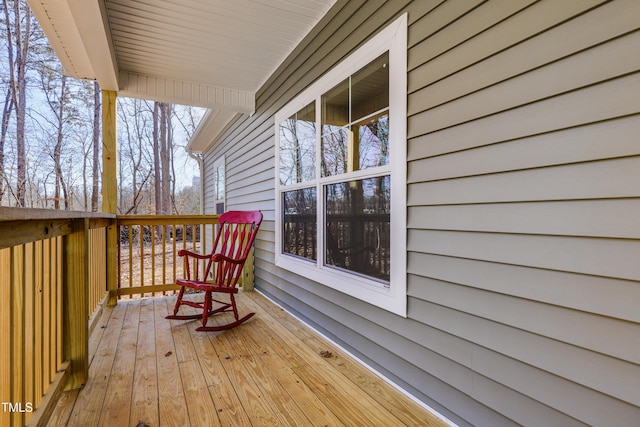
<point x="166" y="219"/>
<point x="23" y="225"/>
<point x="26" y="214"/>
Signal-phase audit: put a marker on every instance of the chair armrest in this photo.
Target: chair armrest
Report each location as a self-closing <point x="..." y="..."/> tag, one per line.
<point x="187" y="264"/>
<point x="220" y="257"/>
<point x="184" y="252"/>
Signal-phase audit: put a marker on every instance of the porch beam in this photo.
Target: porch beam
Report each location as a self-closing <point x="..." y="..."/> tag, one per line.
<point x="176" y="91"/>
<point x="109" y="187"/>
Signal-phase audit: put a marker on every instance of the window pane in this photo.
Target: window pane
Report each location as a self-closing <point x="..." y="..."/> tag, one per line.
<point x="219" y="182"/>
<point x="335" y="107"/>
<point x="358" y="232"/>
<point x="373" y="141"/>
<point x="297" y="146"/>
<point x="335" y="154"/>
<point x="355" y="120"/>
<point x="335" y="116"/>
<point x="299" y="223"/>
<point x="370" y="88"/>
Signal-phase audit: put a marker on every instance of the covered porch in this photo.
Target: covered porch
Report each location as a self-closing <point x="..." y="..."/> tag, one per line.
<point x="84" y="300"/>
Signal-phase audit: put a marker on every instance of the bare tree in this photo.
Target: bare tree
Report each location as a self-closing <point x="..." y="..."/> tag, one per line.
<point x="165" y="156"/>
<point x="57" y="151"/>
<point x="67" y="100"/>
<point x="96" y="147"/>
<point x="162" y="150"/>
<point x="18" y="50"/>
<point x="157" y="179"/>
<point x="4" y="127"/>
<point x="134" y="159"/>
<point x="187" y="119"/>
<point x="38" y="140"/>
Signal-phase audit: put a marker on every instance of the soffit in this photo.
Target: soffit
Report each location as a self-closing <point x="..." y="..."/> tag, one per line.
<point x="208" y="53"/>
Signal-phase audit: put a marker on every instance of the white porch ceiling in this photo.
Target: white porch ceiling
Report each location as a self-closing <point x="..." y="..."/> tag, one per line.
<point x="208" y="53"/>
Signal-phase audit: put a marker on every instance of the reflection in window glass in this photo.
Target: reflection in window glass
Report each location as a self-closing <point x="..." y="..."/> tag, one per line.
<point x="335" y="107"/>
<point x="297" y="146"/>
<point x="370" y="88"/>
<point x="358" y="232"/>
<point x="299" y="223"/>
<point x="218" y="186"/>
<point x="219" y="182"/>
<point x="355" y="121"/>
<point x="372" y="142"/>
<point x="335" y="154"/>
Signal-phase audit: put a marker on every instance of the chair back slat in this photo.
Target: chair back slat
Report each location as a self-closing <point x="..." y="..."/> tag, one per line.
<point x="234" y="239"/>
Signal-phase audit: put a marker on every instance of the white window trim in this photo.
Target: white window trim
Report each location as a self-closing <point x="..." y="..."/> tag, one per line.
<point x="394" y="299"/>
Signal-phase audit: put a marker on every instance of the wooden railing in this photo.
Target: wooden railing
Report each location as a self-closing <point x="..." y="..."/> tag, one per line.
<point x="148" y="250"/>
<point x="47" y="294"/>
<point x="57" y="272"/>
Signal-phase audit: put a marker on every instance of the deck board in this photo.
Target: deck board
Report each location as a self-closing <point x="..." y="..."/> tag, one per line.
<point x="146" y="370"/>
<point x="172" y="405"/>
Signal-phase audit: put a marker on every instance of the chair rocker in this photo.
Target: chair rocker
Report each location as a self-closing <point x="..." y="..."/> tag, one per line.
<point x="232" y="244"/>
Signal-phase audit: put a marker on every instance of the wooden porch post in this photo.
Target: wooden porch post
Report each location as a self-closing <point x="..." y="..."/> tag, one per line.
<point x="109" y="187"/>
<point x="75" y="302"/>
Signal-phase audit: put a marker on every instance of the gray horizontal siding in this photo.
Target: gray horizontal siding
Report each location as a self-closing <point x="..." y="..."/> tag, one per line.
<point x="523" y="238"/>
<point x="523" y="200"/>
<point x="613" y="298"/>
<point x="613" y="218"/>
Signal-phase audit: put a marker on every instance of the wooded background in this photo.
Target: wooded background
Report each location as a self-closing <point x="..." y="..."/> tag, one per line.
<point x="50" y="134"/>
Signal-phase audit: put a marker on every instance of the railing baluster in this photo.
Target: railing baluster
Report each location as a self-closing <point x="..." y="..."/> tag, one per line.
<point x="38" y="336"/>
<point x="6" y="296"/>
<point x="17" y="344"/>
<point x="29" y="323"/>
<point x="153" y="257"/>
<point x="58" y="304"/>
<point x="175" y="254"/>
<point x="112" y="261"/>
<point x="130" y="256"/>
<point x="141" y="258"/>
<point x="46" y="307"/>
<point x="164" y="255"/>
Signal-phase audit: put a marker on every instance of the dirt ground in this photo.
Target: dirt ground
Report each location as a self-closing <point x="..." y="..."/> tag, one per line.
<point x="153" y="265"/>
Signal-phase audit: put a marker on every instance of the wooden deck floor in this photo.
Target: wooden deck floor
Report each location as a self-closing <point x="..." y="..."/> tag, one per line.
<point x="272" y="370"/>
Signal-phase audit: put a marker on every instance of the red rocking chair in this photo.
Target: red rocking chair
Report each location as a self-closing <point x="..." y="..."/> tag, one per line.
<point x="234" y="239"/>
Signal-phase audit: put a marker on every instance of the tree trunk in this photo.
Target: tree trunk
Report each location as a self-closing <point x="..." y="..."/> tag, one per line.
<point x="4" y="127"/>
<point x="96" y="147"/>
<point x="19" y="85"/>
<point x="165" y="149"/>
<point x="157" y="176"/>
<point x="172" y="170"/>
<point x="57" y="152"/>
<point x="85" y="192"/>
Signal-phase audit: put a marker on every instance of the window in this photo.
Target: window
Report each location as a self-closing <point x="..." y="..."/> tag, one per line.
<point x="218" y="185"/>
<point x="341" y="175"/>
